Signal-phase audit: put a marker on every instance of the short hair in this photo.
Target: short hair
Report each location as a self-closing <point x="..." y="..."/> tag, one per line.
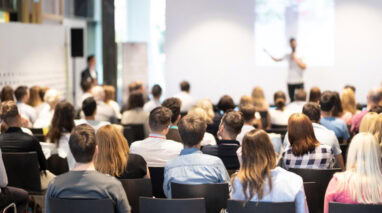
<point x="89" y="58"/>
<point x="135" y="100"/>
<point x="312" y="110"/>
<point x="300" y="95"/>
<point x="6" y="94"/>
<point x="20" y="92"/>
<point x="156" y="91"/>
<point x="226" y="103"/>
<point x="98" y="93"/>
<point x="135" y="86"/>
<point x="160" y="118"/>
<point x="314" y="94"/>
<point x="375" y="95"/>
<point x="185" y="86"/>
<point x="248" y="111"/>
<point x="279" y="99"/>
<point x="233" y="122"/>
<point x="8" y="111"/>
<point x="192" y="129"/>
<point x="89" y="106"/>
<point x="174" y="105"/>
<point x="86" y="85"/>
<point x="327" y="101"/>
<point x="292" y="39"/>
<point x="82" y="143"/>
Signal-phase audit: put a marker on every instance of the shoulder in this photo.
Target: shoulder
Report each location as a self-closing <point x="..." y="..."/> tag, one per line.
<point x="290" y="177"/>
<point x="173" y="144"/>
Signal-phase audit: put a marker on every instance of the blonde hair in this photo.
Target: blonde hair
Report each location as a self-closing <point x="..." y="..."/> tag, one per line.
<point x="363" y="170"/>
<point x="207" y="106"/>
<point x="109" y="93"/>
<point x="245" y="100"/>
<point x="198" y="112"/>
<point x="367" y="122"/>
<point x="376" y="129"/>
<point x="34" y="96"/>
<point x="113" y="151"/>
<point x="348" y="101"/>
<point x="259" y="99"/>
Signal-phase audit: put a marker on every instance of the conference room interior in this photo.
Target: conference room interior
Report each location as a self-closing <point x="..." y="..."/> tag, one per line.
<point x="206" y="106"/>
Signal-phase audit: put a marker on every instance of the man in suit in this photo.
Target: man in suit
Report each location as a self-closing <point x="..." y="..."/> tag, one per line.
<point x="90" y="74"/>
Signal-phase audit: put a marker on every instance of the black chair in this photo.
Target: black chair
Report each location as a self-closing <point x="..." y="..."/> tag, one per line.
<point x="23" y="170"/>
<point x="80" y="205"/>
<point x="354" y="208"/>
<point x="149" y="205"/>
<point x="236" y="206"/>
<point x="315" y="201"/>
<point x="136" y="188"/>
<point x="282" y="131"/>
<point x="37" y="131"/>
<point x="275" y="126"/>
<point x="57" y="165"/>
<point x="156" y="177"/>
<point x="216" y="195"/>
<point x="133" y="132"/>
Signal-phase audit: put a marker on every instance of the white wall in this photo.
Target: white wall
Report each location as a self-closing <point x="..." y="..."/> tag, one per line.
<point x="211" y="44"/>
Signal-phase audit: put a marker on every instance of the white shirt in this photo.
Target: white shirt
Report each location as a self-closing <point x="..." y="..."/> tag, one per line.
<point x="152" y="104"/>
<point x="295" y="107"/>
<point x="93" y="123"/>
<point x="244" y="130"/>
<point x="208" y="139"/>
<point x="156" y="150"/>
<point x="116" y="108"/>
<point x="187" y="101"/>
<point x="27" y="111"/>
<point x="295" y="73"/>
<point x="44" y="118"/>
<point x="136" y="116"/>
<point x="64" y="150"/>
<point x="279" y="117"/>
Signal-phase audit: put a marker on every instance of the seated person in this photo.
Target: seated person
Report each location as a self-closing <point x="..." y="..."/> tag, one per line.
<point x="89" y="107"/>
<point x="104" y="112"/>
<point x="362" y="180"/>
<point x="248" y="111"/>
<point x="84" y="182"/>
<point x="280" y="115"/>
<point x="192" y="166"/>
<point x="114" y="158"/>
<point x="314" y="95"/>
<point x="22" y="97"/>
<point x="15" y="140"/>
<point x="208" y="138"/>
<point x="156" y="92"/>
<point x="185" y="97"/>
<point x="267" y="183"/>
<point x="174" y="105"/>
<point x="305" y="151"/>
<point x="134" y="113"/>
<point x="262" y="107"/>
<point x="110" y="100"/>
<point x="45" y="116"/>
<point x="156" y="149"/>
<point x="230" y="127"/>
<point x="298" y="103"/>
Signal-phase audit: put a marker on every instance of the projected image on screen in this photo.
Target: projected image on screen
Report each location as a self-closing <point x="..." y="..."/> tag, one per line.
<point x="311" y="22"/>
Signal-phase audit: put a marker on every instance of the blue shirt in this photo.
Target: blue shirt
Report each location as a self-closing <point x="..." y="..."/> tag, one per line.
<point x="194" y="167"/>
<point x="337" y="125"/>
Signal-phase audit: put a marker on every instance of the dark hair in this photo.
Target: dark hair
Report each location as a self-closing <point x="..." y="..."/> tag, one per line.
<point x="314" y="94"/>
<point x="280" y="99"/>
<point x="248" y="111"/>
<point x="63" y="121"/>
<point x="327" y="101"/>
<point x="89" y="106"/>
<point x="160" y="118"/>
<point x="6" y="94"/>
<point x="301" y="135"/>
<point x="233" y="122"/>
<point x="86" y="85"/>
<point x="156" y="91"/>
<point x="136" y="100"/>
<point x="350" y="87"/>
<point x="8" y="111"/>
<point x="192" y="129"/>
<point x="42" y="92"/>
<point x="338" y="110"/>
<point x="300" y="95"/>
<point x="376" y="109"/>
<point x="89" y="58"/>
<point x="20" y="92"/>
<point x="174" y="105"/>
<point x="226" y="103"/>
<point x="312" y="110"/>
<point x="82" y="143"/>
<point x="185" y="86"/>
<point x="292" y="39"/>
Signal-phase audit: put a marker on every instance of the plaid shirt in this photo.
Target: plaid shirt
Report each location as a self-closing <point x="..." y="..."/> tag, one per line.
<point x="321" y="157"/>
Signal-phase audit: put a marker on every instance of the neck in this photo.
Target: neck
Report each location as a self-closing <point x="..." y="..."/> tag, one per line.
<point x="228" y="137"/>
<point x="158" y="133"/>
<point x="191" y="147"/>
<point x="92" y="117"/>
<point x="326" y="114"/>
<point x="84" y="166"/>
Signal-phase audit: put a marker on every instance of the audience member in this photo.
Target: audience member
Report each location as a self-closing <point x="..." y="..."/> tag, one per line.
<point x="110" y="100"/>
<point x="192" y="166"/>
<point x="134" y="113"/>
<point x="156" y="93"/>
<point x="213" y="119"/>
<point x="230" y="127"/>
<point x="305" y="151"/>
<point x="376" y="129"/>
<point x="6" y="94"/>
<point x="259" y="179"/>
<point x="337" y="110"/>
<point x="362" y="180"/>
<point x="187" y="100"/>
<point x="104" y="112"/>
<point x="86" y="87"/>
<point x="89" y="108"/>
<point x="245" y="100"/>
<point x="84" y="182"/>
<point x="156" y="149"/>
<point x="174" y="105"/>
<point x="261" y="107"/>
<point x="280" y="115"/>
<point x="349" y="105"/>
<point x="34" y="98"/>
<point x="248" y="112"/>
<point x="298" y="103"/>
<point x="136" y="86"/>
<point x="314" y="95"/>
<point x="22" y="97"/>
<point x="327" y="103"/>
<point x="51" y="98"/>
<point x="368" y="121"/>
<point x="208" y="138"/>
<point x="113" y="156"/>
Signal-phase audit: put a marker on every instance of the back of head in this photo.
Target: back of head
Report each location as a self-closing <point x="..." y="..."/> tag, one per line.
<point x="207" y="105"/>
<point x="244" y="100"/>
<point x="136" y="86"/>
<point x="350" y="87"/>
<point x="226" y="103"/>
<point x="98" y="93"/>
<point x="109" y="93"/>
<point x="160" y="119"/>
<point x="62" y="121"/>
<point x="136" y="100"/>
<point x="327" y="101"/>
<point x="113" y="151"/>
<point x="301" y="135"/>
<point x="368" y="121"/>
<point x="42" y="92"/>
<point x="376" y="129"/>
<point x="258" y="98"/>
<point x="337" y="110"/>
<point x="376" y="109"/>
<point x="192" y="129"/>
<point x="312" y="110"/>
<point x="34" y="96"/>
<point x="6" y="94"/>
<point x="314" y="94"/>
<point x="156" y="91"/>
<point x="248" y="111"/>
<point x="52" y="97"/>
<point x="174" y="105"/>
<point x="185" y="86"/>
<point x="86" y="86"/>
<point x="300" y="95"/>
<point x="89" y="106"/>
<point x="199" y="112"/>
<point x="82" y="143"/>
<point x="20" y="92"/>
<point x="374" y="96"/>
<point x="9" y="112"/>
<point x="279" y="99"/>
<point x="348" y="101"/>
<point x="233" y="122"/>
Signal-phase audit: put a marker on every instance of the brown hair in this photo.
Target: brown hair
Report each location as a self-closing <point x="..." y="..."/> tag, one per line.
<point x="314" y="94"/>
<point x="259" y="159"/>
<point x="259" y="99"/>
<point x="245" y="99"/>
<point x="376" y="129"/>
<point x="113" y="151"/>
<point x="348" y="101"/>
<point x="192" y="129"/>
<point x="82" y="143"/>
<point x="300" y="95"/>
<point x="63" y="121"/>
<point x="160" y="118"/>
<point x="233" y="122"/>
<point x="42" y="92"/>
<point x="279" y="99"/>
<point x="135" y="100"/>
<point x="7" y="94"/>
<point x="248" y="112"/>
<point x="301" y="135"/>
<point x="109" y="93"/>
<point x="8" y="111"/>
<point x="174" y="105"/>
<point x="34" y="96"/>
<point x="226" y="103"/>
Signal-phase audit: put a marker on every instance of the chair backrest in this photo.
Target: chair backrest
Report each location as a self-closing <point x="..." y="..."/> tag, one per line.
<point x="136" y="188"/>
<point x="236" y="206"/>
<point x="156" y="177"/>
<point x="354" y="208"/>
<point x="133" y="132"/>
<point x="282" y="131"/>
<point x="344" y="149"/>
<point x="57" y="165"/>
<point x="216" y="195"/>
<point x="80" y="205"/>
<point x="37" y="131"/>
<point x="149" y="205"/>
<point x="313" y="198"/>
<point x="321" y="176"/>
<point x="22" y="170"/>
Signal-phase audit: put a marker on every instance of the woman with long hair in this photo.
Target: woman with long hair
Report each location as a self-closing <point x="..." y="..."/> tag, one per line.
<point x="305" y="151"/>
<point x="6" y="94"/>
<point x="259" y="179"/>
<point x="110" y="100"/>
<point x="113" y="156"/>
<point x="362" y="180"/>
<point x="349" y="105"/>
<point x="34" y="97"/>
<point x="280" y="115"/>
<point x="261" y="106"/>
<point x="208" y="138"/>
<point x="368" y="121"/>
